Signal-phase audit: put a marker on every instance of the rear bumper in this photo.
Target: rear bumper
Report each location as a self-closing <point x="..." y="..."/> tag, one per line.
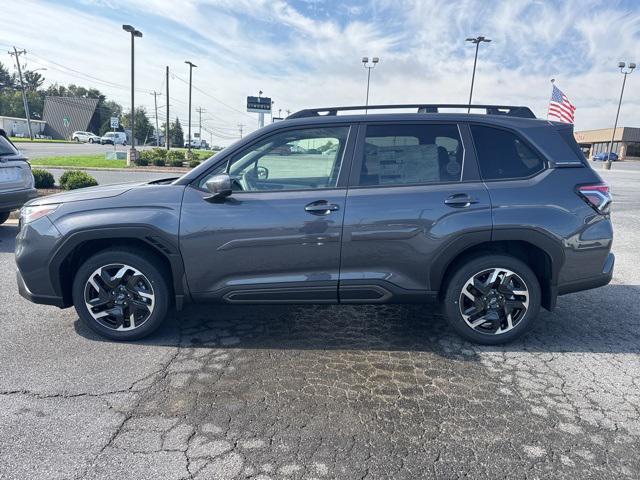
<point x="591" y="282"/>
<point x="13" y="200"/>
<point x="42" y="299"/>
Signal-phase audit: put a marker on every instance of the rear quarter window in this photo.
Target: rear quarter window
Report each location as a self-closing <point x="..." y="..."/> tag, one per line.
<point x="503" y="155"/>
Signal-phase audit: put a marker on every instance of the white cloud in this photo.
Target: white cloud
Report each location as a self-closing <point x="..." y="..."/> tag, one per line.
<point x="241" y="46"/>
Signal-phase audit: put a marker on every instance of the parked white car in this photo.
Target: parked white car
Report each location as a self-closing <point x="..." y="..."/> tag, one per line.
<point x="85" y="137"/>
<point x="114" y="138"/>
<point x="16" y="180"/>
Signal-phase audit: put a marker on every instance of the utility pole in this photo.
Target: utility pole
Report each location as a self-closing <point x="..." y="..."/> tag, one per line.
<point x="288" y="112"/>
<point x="17" y="54"/>
<point x="155" y="104"/>
<point x="200" y="110"/>
<point x="240" y="126"/>
<point x="166" y="125"/>
<point x="191" y="65"/>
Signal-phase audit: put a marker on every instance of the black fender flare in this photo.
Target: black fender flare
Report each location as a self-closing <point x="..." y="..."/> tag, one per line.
<point x="541" y="239"/>
<point x="158" y="241"/>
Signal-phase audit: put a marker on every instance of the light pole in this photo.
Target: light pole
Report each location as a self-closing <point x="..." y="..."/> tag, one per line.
<point x="132" y="156"/>
<point x="365" y="63"/>
<point x="621" y="66"/>
<point x="477" y="41"/>
<point x="191" y="65"/>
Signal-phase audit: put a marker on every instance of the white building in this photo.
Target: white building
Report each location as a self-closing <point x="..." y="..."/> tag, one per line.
<point x="17" y="127"/>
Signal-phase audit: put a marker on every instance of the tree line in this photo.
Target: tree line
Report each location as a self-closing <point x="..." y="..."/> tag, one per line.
<point x="11" y="105"/>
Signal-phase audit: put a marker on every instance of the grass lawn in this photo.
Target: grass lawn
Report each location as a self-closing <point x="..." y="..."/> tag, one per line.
<point x="96" y="161"/>
<point x="37" y="140"/>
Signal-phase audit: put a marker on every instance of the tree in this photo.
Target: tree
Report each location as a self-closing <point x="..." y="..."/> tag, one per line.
<point x="32" y="80"/>
<point x="6" y="79"/>
<point x="143" y="125"/>
<point x="176" y="134"/>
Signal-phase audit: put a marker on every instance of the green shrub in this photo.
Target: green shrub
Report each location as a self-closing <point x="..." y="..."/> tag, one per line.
<point x="72" y="179"/>
<point x="158" y="152"/>
<point x="194" y="163"/>
<point x="142" y="161"/>
<point x="159" y="162"/>
<point x="43" y="179"/>
<point x="175" y="155"/>
<point x="175" y="163"/>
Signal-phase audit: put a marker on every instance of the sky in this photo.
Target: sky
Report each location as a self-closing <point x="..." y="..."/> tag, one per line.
<point x="307" y="53"/>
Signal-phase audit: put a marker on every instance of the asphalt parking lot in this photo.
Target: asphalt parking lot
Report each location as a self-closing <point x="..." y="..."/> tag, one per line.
<point x="328" y="391"/>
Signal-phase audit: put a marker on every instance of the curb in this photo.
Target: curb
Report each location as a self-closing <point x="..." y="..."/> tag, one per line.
<point x="114" y="169"/>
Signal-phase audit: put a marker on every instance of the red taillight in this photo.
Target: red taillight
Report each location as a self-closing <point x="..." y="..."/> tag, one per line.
<point x="598" y="196"/>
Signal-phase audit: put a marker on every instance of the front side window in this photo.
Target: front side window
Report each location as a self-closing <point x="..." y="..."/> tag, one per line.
<point x="405" y="154"/>
<point x="502" y="155"/>
<point x="302" y="159"/>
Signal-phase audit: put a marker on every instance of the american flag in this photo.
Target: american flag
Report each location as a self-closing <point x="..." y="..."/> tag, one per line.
<point x="560" y="107"/>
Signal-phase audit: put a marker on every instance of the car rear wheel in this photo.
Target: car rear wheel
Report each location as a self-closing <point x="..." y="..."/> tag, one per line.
<point x="91" y="140"/>
<point x="492" y="299"/>
<point x="3" y="217"/>
<point x="121" y="294"/>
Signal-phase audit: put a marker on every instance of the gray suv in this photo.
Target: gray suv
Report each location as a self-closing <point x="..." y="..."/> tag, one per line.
<point x="16" y="180"/>
<point x="495" y="214"/>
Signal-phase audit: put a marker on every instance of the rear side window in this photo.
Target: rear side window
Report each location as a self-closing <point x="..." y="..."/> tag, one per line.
<point x="404" y="154"/>
<point x="6" y="148"/>
<point x="503" y="155"/>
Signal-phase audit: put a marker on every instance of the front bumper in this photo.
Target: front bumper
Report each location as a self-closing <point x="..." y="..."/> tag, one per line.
<point x="42" y="299"/>
<point x="591" y="282"/>
<point x="15" y="199"/>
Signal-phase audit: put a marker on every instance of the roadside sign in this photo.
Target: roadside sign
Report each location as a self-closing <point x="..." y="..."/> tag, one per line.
<point x="66" y="121"/>
<point x="115" y="123"/>
<point x="259" y="104"/>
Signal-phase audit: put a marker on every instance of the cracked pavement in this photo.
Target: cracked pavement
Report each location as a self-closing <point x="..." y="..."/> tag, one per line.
<point x="303" y="392"/>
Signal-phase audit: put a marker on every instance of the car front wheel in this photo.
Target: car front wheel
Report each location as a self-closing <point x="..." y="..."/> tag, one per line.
<point x="492" y="299"/>
<point x="121" y="294"/>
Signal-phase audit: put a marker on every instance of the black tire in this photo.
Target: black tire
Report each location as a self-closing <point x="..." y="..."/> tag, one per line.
<point x="4" y="216"/>
<point x="76" y="139"/>
<point x="467" y="270"/>
<point x="147" y="265"/>
<point x="91" y="140"/>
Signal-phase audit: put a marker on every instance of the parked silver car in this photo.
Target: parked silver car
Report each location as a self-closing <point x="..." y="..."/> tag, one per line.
<point x="16" y="179"/>
<point x="85" y="137"/>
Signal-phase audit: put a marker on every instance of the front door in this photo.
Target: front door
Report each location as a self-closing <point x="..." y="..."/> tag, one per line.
<point x="277" y="237"/>
<point x="414" y="193"/>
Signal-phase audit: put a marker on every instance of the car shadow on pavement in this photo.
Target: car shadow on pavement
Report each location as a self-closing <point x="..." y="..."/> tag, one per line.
<point x="597" y="321"/>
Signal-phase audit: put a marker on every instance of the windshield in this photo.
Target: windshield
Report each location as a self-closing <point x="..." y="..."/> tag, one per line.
<point x="6" y="148"/>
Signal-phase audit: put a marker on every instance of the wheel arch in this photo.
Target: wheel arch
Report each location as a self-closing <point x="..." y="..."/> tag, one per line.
<point x="541" y="253"/>
<point x="81" y="245"/>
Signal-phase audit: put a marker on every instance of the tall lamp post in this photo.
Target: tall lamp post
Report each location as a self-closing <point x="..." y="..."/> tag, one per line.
<point x="365" y="63"/>
<point x="191" y="65"/>
<point x="133" y="155"/>
<point x="621" y="66"/>
<point x="477" y="41"/>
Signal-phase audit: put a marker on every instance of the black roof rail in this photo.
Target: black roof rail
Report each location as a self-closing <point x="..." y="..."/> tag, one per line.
<point x="509" y="110"/>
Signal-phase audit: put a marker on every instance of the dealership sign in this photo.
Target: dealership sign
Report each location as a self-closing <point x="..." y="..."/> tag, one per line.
<point x="259" y="104"/>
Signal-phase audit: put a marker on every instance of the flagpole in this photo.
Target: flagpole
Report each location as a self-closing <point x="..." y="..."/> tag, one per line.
<point x="552" y="81"/>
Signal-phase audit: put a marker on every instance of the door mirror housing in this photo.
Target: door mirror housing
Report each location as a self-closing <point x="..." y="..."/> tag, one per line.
<point x="219" y="186"/>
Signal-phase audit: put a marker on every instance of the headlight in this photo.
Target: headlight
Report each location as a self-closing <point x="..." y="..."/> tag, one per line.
<point x="31" y="213"/>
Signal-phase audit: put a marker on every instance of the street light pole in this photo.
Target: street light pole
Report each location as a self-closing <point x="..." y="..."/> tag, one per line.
<point x="133" y="155"/>
<point x="477" y="41"/>
<point x="365" y="63"/>
<point x="621" y="66"/>
<point x="191" y="65"/>
<point x="24" y="93"/>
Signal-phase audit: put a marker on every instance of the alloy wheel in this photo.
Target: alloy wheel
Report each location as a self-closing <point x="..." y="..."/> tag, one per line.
<point x="494" y="301"/>
<point x="119" y="297"/>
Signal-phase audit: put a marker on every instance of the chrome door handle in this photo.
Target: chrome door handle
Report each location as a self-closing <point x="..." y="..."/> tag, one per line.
<point x="460" y="200"/>
<point x="321" y="207"/>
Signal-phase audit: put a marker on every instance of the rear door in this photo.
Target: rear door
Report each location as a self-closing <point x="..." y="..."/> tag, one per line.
<point x="414" y="191"/>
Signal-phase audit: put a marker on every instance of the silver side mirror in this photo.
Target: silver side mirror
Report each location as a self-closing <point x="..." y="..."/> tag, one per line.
<point x="219" y="186"/>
